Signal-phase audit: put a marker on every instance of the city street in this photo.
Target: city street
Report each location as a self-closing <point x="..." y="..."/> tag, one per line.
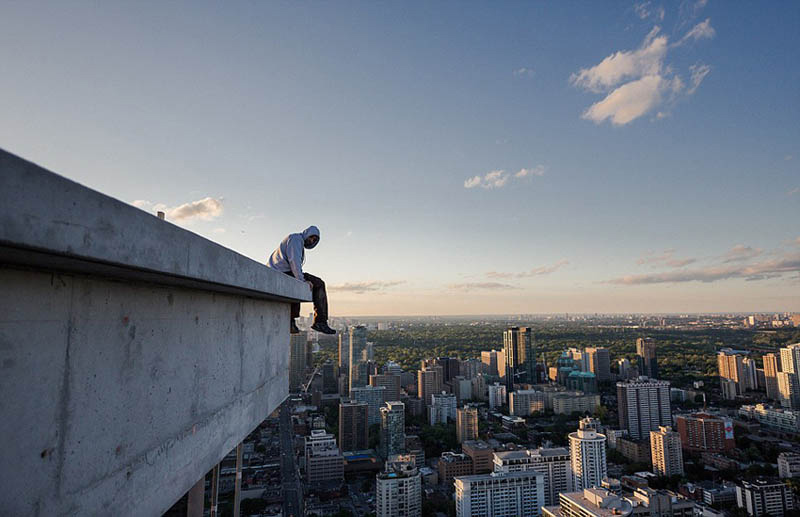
<point x="292" y="490"/>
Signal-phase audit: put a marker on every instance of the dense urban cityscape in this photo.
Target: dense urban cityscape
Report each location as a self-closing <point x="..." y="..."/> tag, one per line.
<point x="522" y="428"/>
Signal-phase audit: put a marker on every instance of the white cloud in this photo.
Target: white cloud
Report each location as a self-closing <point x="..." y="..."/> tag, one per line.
<point x="499" y="178"/>
<point x="757" y="271"/>
<point x="788" y="157"/>
<point x="523" y="72"/>
<point x="639" y="81"/>
<point x="665" y="258"/>
<point x="537" y="271"/>
<point x="364" y="287"/>
<point x="702" y="30"/>
<point x="539" y="170"/>
<point x="472" y="286"/>
<point x="623" y="65"/>
<point x="794" y="191"/>
<point x="492" y="179"/>
<point x="645" y="10"/>
<point x="632" y="100"/>
<point x="740" y="253"/>
<point x="206" y="209"/>
<point x="699" y="72"/>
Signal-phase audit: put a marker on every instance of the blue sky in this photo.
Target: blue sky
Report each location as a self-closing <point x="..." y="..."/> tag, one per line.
<point x="659" y="144"/>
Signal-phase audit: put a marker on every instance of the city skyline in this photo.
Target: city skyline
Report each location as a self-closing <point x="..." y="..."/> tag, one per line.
<point x="457" y="159"/>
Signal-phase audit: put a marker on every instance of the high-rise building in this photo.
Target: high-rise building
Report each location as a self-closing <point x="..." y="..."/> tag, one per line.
<point x="470" y="368"/>
<point x="353" y="426"/>
<point x="520" y="356"/>
<point x="750" y="373"/>
<point x="452" y="465"/>
<point x="587" y="450"/>
<point x="462" y="388"/>
<point x="771" y="370"/>
<point x="789" y="390"/>
<point x="393" y="368"/>
<point x="324" y="461"/>
<point x="763" y="496"/>
<point x="518" y="494"/>
<point x="358" y="368"/>
<point x="449" y="365"/>
<point x="646" y="357"/>
<point x="482" y="455"/>
<point x="344" y="356"/>
<point x="702" y="432"/>
<point x="599" y="362"/>
<point x="592" y="502"/>
<point x="495" y="362"/>
<point x="330" y="382"/>
<point x="788" y="465"/>
<point x="466" y="423"/>
<point x="665" y="450"/>
<point x="497" y="395"/>
<point x="479" y="387"/>
<point x="297" y="360"/>
<point x="643" y="406"/>
<point x="526" y="402"/>
<point x="398" y="490"/>
<point x="626" y="370"/>
<point x="429" y="381"/>
<point x="442" y="409"/>
<point x="554" y="463"/>
<point x="731" y="373"/>
<point x="393" y="428"/>
<point x="568" y="403"/>
<point x="790" y="359"/>
<point x="374" y="396"/>
<point x="390" y="382"/>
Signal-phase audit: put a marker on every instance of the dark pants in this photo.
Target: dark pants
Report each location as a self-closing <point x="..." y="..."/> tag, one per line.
<point x="318" y="295"/>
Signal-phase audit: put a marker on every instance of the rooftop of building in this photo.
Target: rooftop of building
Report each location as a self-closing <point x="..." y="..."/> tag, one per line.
<point x="600" y="502"/>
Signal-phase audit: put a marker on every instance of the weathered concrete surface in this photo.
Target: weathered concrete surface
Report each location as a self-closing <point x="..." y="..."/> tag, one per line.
<point x="42" y="211"/>
<point x="128" y="367"/>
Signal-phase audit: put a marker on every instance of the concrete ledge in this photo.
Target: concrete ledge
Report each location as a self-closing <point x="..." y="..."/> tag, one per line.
<point x="48" y="221"/>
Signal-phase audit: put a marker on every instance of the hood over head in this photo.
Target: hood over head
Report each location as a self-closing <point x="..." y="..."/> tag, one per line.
<point x="308" y="232"/>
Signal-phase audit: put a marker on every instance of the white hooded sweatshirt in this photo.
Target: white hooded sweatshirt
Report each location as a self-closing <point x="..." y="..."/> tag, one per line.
<point x="291" y="254"/>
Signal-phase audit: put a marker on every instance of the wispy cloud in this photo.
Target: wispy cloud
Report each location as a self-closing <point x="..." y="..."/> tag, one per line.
<point x="499" y="178"/>
<point x="646" y="10"/>
<point x="702" y="30"/>
<point x="793" y="191"/>
<point x="476" y="286"/>
<point x="740" y="253"/>
<point x="537" y="271"/>
<point x="637" y="82"/>
<point x="773" y="268"/>
<point x="206" y="209"/>
<point x="524" y="72"/>
<point x="665" y="258"/>
<point x="364" y="287"/>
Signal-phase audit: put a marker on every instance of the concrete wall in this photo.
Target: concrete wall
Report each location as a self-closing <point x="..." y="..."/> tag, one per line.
<point x="133" y="354"/>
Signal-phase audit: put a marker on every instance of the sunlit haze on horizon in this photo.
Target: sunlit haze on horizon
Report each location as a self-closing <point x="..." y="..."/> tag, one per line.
<point x="458" y="158"/>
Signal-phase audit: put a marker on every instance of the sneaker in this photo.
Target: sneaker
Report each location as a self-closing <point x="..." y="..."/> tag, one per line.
<point x="293" y="328"/>
<point x="323" y="327"/>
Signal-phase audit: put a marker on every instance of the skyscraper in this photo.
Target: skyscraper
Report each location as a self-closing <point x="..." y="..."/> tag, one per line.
<point x="643" y="406"/>
<point x="599" y="363"/>
<point x="520" y="356"/>
<point x="393" y="425"/>
<point x="429" y="381"/>
<point x="554" y="463"/>
<point x="646" y="357"/>
<point x="665" y="451"/>
<point x="731" y="373"/>
<point x="520" y="494"/>
<point x="344" y="356"/>
<point x="442" y="408"/>
<point x="495" y="362"/>
<point x="702" y="432"/>
<point x="771" y="370"/>
<point x="353" y="427"/>
<point x="390" y="382"/>
<point x="374" y="396"/>
<point x="323" y="460"/>
<point x="497" y="395"/>
<point x="297" y="360"/>
<point x="587" y="449"/>
<point x="357" y="362"/>
<point x="466" y="424"/>
<point x="398" y="490"/>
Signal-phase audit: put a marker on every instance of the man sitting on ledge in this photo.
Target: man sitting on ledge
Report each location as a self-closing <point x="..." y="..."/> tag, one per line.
<point x="289" y="258"/>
